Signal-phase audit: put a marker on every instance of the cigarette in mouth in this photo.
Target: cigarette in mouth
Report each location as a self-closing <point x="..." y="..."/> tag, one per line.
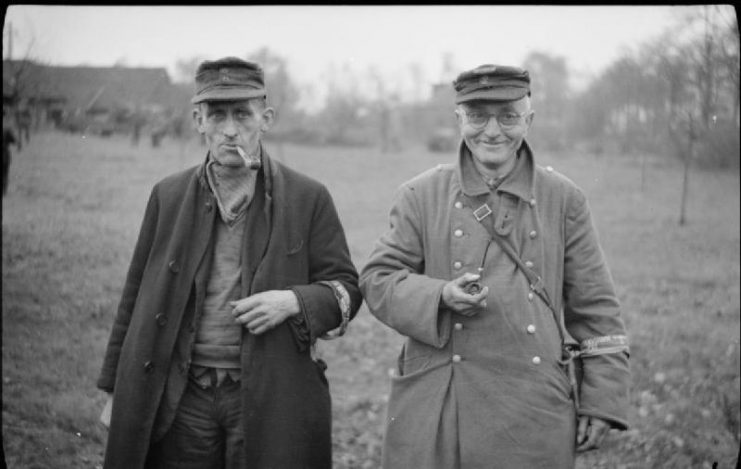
<point x="250" y="163"/>
<point x="243" y="155"/>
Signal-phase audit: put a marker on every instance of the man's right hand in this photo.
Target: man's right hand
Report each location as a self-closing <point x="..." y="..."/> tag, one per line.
<point x="456" y="298"/>
<point x="105" y="416"/>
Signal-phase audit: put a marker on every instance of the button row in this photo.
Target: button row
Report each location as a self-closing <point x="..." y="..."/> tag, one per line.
<point x="457" y="359"/>
<point x="458" y="204"/>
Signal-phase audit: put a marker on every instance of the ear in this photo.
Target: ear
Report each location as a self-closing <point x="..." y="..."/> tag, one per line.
<point x="529" y="120"/>
<point x="198" y="119"/>
<point x="458" y="116"/>
<point x="268" y="118"/>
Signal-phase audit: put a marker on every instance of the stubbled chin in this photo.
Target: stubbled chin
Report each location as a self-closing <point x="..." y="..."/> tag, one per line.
<point x="498" y="152"/>
<point x="492" y="146"/>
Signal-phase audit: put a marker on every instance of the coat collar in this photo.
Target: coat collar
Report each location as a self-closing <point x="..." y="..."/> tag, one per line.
<point x="519" y="182"/>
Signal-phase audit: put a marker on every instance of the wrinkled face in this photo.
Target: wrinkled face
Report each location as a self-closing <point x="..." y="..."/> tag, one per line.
<point x="494" y="141"/>
<point x="231" y="124"/>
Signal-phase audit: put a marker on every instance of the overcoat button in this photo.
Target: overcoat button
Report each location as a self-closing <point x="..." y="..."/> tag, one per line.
<point x="161" y="319"/>
<point x="532" y="202"/>
<point x="536" y="360"/>
<point x="457" y="265"/>
<point x="148" y="366"/>
<point x="174" y="267"/>
<point x="530" y="296"/>
<point x="458" y="326"/>
<point x="458" y="233"/>
<point x="457" y="358"/>
<point x="458" y="205"/>
<point x="530" y="329"/>
<point x="533" y="234"/>
<point x="528" y="264"/>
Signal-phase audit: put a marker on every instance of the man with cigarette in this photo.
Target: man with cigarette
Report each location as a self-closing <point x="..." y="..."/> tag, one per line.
<point x="240" y="266"/>
<point x="493" y="271"/>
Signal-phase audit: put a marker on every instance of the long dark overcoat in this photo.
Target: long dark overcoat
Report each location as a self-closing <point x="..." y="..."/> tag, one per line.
<point x="293" y="240"/>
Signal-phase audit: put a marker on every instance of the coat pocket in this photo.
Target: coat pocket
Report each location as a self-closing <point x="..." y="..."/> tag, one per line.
<point x="414" y="364"/>
<point x="294" y="246"/>
<point x="406" y="365"/>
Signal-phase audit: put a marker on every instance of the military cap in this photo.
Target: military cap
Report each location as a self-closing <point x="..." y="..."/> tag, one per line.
<point x="228" y="79"/>
<point x="492" y="83"/>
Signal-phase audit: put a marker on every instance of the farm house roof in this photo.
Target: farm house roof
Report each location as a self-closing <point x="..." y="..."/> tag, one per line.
<point x="93" y="88"/>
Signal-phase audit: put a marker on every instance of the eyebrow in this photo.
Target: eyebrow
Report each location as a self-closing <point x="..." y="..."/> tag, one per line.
<point x="223" y="107"/>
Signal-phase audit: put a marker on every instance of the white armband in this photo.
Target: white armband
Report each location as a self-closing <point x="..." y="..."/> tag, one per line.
<point x="343" y="300"/>
<point x="605" y="344"/>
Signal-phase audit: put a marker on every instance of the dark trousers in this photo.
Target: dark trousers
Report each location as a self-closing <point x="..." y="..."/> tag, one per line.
<point x="207" y="432"/>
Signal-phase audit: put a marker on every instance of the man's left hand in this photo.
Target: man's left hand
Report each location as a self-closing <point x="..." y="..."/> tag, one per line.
<point x="263" y="311"/>
<point x="590" y="433"/>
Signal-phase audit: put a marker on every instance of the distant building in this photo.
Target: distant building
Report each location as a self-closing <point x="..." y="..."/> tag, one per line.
<point x="79" y="98"/>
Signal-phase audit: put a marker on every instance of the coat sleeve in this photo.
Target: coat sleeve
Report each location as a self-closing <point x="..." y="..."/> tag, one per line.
<point x="329" y="260"/>
<point x="107" y="377"/>
<point x="592" y="316"/>
<point x="392" y="281"/>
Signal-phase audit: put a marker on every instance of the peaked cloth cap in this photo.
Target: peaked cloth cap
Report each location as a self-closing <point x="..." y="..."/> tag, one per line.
<point x="228" y="79"/>
<point x="492" y="83"/>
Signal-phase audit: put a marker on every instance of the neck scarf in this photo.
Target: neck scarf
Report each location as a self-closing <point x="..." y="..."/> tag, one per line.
<point x="233" y="187"/>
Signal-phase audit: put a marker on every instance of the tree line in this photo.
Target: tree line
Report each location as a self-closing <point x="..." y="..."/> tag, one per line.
<point x="677" y="94"/>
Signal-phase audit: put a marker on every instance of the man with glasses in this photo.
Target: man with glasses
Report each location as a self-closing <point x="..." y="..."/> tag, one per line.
<point x="240" y="266"/>
<point x="493" y="271"/>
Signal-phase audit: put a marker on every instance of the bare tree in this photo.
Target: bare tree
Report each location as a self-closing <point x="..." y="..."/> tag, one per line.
<point x="551" y="91"/>
<point x="728" y="54"/>
<point x="23" y="87"/>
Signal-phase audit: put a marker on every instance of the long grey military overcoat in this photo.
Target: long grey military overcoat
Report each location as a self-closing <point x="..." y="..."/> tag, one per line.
<point x="487" y="391"/>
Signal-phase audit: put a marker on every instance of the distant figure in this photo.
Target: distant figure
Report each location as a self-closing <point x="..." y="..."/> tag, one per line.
<point x="158" y="132"/>
<point x="240" y="266"/>
<point x="137" y="122"/>
<point x="177" y="123"/>
<point x="391" y="125"/>
<point x="490" y="267"/>
<point x="9" y="138"/>
<point x="23" y="120"/>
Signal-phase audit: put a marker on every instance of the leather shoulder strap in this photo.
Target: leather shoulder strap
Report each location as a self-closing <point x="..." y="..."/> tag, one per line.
<point x="483" y="215"/>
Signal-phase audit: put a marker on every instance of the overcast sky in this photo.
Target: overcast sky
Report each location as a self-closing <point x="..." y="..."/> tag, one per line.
<point x="314" y="38"/>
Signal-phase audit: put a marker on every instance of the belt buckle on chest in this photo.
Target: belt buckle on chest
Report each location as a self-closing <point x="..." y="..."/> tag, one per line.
<point x="482" y="212"/>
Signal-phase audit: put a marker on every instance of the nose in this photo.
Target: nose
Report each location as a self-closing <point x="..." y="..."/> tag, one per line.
<point x="492" y="126"/>
<point x="230" y="127"/>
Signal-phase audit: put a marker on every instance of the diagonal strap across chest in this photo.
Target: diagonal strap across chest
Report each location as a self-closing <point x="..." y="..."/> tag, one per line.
<point x="499" y="225"/>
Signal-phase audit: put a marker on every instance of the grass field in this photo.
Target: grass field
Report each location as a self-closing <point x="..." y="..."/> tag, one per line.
<point x="74" y="207"/>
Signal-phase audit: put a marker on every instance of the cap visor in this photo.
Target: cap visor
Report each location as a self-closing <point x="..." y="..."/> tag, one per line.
<point x="228" y="95"/>
<point x="499" y="94"/>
